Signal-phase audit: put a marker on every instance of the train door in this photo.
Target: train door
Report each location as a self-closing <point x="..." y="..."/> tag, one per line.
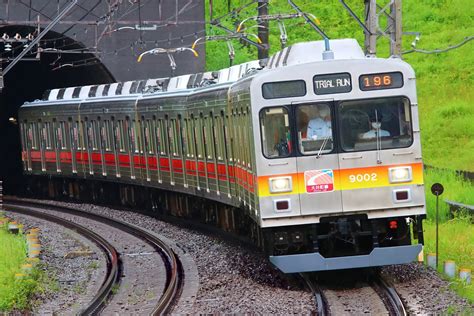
<point x="57" y="146"/>
<point x="317" y="160"/>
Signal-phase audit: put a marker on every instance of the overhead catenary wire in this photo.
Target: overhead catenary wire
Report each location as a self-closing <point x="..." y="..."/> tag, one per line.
<point x="441" y="50"/>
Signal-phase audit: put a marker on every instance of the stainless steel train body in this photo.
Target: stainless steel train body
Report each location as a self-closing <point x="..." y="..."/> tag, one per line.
<point x="323" y="155"/>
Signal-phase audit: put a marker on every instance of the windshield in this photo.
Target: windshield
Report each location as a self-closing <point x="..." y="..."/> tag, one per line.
<point x="375" y="124"/>
<point x="314" y="126"/>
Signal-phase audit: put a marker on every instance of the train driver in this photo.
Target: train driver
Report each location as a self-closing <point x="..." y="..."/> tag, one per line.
<point x="319" y="127"/>
<point x="375" y="121"/>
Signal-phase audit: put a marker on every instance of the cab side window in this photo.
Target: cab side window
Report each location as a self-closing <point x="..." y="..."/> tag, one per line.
<point x="275" y="132"/>
<point x="314" y="127"/>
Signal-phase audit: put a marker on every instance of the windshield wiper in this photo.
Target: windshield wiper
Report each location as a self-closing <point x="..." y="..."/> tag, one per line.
<point x="378" y="141"/>
<point x="323" y="145"/>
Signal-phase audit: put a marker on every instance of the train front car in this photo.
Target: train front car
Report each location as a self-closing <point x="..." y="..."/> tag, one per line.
<point x="339" y="166"/>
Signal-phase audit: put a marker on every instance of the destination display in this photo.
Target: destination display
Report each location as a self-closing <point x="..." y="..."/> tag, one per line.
<point x="332" y="83"/>
<point x="390" y="80"/>
<point x="284" y="89"/>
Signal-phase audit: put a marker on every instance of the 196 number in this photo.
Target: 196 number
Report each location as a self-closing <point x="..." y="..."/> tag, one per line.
<point x="363" y="177"/>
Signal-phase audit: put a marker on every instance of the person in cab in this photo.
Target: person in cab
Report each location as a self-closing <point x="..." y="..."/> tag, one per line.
<point x="375" y="122"/>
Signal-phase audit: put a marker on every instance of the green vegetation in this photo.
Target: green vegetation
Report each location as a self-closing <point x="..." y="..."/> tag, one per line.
<point x="444" y="80"/>
<point x="455" y="189"/>
<point x="456" y="243"/>
<point x="14" y="292"/>
<point x="445" y="94"/>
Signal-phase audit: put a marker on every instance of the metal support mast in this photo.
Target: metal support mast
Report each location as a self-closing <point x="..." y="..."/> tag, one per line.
<point x="393" y="13"/>
<point x="263" y="31"/>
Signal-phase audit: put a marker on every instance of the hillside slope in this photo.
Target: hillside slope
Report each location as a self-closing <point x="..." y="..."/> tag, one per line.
<point x="444" y="80"/>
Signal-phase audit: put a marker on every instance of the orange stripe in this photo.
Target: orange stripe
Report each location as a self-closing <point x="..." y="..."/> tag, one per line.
<point x="346" y="179"/>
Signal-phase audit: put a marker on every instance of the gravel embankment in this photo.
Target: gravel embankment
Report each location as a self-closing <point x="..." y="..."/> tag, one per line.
<point x="236" y="279"/>
<point x="425" y="292"/>
<point x="72" y="281"/>
<point x="232" y="278"/>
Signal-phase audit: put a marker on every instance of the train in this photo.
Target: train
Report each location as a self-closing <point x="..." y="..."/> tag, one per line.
<point x="314" y="153"/>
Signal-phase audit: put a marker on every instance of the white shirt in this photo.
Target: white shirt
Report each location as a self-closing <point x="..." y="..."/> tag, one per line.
<point x="371" y="134"/>
<point x="319" y="128"/>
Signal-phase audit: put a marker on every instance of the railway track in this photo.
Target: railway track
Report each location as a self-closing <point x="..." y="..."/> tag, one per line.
<point x="174" y="277"/>
<point x="112" y="275"/>
<point x="336" y="302"/>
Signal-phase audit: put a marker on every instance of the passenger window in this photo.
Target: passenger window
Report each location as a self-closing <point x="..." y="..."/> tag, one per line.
<point x="47" y="135"/>
<point x="208" y="137"/>
<point x="314" y="126"/>
<point x="189" y="137"/>
<point x="219" y="136"/>
<point x="198" y="136"/>
<point x="275" y="132"/>
<point x="62" y="137"/>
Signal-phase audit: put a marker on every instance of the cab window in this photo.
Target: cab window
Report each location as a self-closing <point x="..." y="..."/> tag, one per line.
<point x="314" y="127"/>
<point x="375" y="124"/>
<point x="275" y="132"/>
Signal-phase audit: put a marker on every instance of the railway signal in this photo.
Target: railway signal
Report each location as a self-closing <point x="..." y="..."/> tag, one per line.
<point x="437" y="189"/>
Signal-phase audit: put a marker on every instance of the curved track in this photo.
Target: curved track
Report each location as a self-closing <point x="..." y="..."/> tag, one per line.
<point x="326" y="304"/>
<point x="111" y="255"/>
<point x="173" y="268"/>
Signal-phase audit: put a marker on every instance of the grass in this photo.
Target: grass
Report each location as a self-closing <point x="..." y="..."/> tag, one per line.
<point x="456" y="242"/>
<point x="455" y="189"/>
<point x="14" y="293"/>
<point x="444" y="80"/>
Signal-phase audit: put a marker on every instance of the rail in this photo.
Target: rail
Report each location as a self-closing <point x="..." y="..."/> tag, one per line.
<point x="392" y="300"/>
<point x="112" y="276"/>
<point x="321" y="303"/>
<point x="174" y="273"/>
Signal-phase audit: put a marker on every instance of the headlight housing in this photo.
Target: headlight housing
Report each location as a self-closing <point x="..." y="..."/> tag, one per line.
<point x="400" y="174"/>
<point x="280" y="184"/>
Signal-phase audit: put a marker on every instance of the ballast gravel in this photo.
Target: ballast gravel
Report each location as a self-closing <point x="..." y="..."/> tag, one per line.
<point x="232" y="278"/>
<point x="71" y="281"/>
<point x="236" y="279"/>
<point x="424" y="292"/>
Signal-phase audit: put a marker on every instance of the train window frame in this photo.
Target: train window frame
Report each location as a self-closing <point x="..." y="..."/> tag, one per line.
<point x="290" y="127"/>
<point x="402" y="98"/>
<point x="147" y="141"/>
<point x="331" y="105"/>
<point x="219" y="137"/>
<point x="108" y="138"/>
<point x="198" y="137"/>
<point x="208" y="139"/>
<point x="47" y="135"/>
<point x="63" y="136"/>
<point x="267" y="97"/>
<point x="188" y="126"/>
<point x="228" y="138"/>
<point x="95" y="136"/>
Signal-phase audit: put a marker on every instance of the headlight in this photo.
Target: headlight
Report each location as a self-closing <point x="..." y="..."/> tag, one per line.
<point x="399" y="174"/>
<point x="281" y="184"/>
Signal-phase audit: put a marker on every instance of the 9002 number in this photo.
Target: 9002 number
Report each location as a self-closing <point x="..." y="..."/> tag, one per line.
<point x="363" y="177"/>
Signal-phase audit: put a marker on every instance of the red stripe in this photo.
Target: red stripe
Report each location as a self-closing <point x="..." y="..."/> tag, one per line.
<point x="235" y="173"/>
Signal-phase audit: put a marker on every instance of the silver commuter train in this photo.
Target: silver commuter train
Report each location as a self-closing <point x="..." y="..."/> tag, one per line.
<point x="323" y="156"/>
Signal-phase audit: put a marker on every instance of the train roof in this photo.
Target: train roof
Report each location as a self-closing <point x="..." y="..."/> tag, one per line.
<point x="299" y="53"/>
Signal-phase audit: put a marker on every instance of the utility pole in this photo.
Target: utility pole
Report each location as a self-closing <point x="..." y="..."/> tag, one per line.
<point x="371" y="23"/>
<point x="393" y="13"/>
<point x="263" y="29"/>
<point x="396" y="28"/>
